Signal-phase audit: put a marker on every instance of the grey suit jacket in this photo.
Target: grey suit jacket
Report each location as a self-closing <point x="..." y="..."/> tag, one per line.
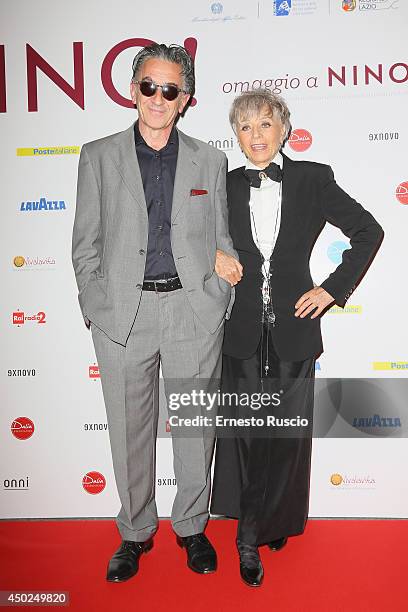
<point x="111" y="228"/>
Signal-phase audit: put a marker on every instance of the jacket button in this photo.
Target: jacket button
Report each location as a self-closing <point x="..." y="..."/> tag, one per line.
<point x="141" y="252"/>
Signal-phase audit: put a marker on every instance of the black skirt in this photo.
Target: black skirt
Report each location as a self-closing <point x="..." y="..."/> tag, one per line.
<point x="261" y="475"/>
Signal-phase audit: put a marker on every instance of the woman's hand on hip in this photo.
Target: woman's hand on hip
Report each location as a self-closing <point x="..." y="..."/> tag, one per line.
<point x="317" y="299"/>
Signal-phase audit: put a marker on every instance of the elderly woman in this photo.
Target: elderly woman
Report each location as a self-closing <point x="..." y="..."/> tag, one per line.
<point x="277" y="208"/>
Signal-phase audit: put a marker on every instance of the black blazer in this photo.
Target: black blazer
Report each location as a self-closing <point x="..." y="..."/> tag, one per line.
<point x="310" y="197"/>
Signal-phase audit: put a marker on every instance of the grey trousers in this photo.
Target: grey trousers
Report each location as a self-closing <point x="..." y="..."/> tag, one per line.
<point x="166" y="331"/>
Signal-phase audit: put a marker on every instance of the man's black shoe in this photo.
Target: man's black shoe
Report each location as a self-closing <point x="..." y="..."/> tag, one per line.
<point x="250" y="565"/>
<point x="276" y="545"/>
<point x="201" y="556"/>
<point x="125" y="562"/>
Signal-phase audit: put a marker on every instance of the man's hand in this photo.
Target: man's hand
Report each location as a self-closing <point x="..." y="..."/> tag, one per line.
<point x="228" y="268"/>
<point x="316" y="299"/>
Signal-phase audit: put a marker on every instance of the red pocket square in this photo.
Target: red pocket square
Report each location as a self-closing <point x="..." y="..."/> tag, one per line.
<point x="196" y="192"/>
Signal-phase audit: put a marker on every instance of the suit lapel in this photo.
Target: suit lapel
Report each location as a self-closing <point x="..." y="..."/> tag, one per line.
<point x="125" y="159"/>
<point x="187" y="170"/>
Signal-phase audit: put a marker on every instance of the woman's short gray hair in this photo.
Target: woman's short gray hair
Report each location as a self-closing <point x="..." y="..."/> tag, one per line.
<point x="172" y="53"/>
<point x="252" y="102"/>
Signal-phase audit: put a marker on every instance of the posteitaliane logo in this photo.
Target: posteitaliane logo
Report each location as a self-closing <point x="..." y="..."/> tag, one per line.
<point x="395" y="366"/>
<point x="47" y="151"/>
<point x="350" y="309"/>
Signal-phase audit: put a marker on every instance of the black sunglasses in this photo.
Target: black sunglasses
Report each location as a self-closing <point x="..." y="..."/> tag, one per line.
<point x="169" y="92"/>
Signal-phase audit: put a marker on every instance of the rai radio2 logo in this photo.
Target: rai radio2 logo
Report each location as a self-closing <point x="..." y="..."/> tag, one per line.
<point x="94" y="482"/>
<point x="93" y="371"/>
<point x="20" y="318"/>
<point x="22" y="428"/>
<point x="401" y="193"/>
<point x="300" y="140"/>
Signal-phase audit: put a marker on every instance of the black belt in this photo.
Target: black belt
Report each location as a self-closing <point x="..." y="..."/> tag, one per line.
<point x="169" y="284"/>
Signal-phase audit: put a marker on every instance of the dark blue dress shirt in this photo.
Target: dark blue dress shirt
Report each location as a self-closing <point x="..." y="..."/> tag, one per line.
<point x="158" y="169"/>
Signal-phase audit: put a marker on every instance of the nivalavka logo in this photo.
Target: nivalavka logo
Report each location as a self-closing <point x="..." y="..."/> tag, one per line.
<point x="42" y="205"/>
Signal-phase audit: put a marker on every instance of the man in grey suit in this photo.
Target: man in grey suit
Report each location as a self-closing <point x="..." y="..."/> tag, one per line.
<point x="154" y="265"/>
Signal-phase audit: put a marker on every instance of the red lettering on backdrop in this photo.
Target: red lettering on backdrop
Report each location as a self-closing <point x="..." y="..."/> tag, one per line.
<point x="3" y="103"/>
<point x="34" y="61"/>
<point x="190" y="44"/>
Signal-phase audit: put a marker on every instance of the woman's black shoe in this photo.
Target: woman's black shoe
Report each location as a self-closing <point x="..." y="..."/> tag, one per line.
<point x="250" y="565"/>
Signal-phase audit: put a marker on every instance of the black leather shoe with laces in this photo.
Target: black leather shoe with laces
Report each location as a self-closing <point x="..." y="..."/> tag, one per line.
<point x="250" y="565"/>
<point x="201" y="556"/>
<point x="125" y="562"/>
<point x="276" y="545"/>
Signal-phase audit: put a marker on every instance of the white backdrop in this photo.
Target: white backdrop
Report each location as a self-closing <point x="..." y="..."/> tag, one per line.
<point x="344" y="74"/>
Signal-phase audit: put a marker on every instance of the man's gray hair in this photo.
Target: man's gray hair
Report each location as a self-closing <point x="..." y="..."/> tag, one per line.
<point x="172" y="53"/>
<point x="252" y="103"/>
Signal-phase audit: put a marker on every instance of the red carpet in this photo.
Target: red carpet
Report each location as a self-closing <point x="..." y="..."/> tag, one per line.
<point x="335" y="566"/>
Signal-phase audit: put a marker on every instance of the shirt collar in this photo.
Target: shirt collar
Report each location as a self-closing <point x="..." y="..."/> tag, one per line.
<point x="173" y="138"/>
<point x="278" y="159"/>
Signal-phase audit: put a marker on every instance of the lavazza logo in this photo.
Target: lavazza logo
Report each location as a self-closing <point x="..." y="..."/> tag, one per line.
<point x="22" y="428"/>
<point x="42" y="205"/>
<point x="26" y="263"/>
<point x="20" y="318"/>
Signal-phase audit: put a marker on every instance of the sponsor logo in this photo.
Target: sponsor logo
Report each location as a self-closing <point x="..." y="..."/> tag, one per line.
<point x="348" y="5"/>
<point x="24" y="373"/>
<point x="336" y="479"/>
<point x="217" y="14"/>
<point x="350" y="309"/>
<point x="281" y="8"/>
<point x="166" y="482"/>
<point x="217" y="8"/>
<point x="94" y="482"/>
<point x="335" y="251"/>
<point x="223" y="145"/>
<point x="390" y="365"/>
<point x="368" y="5"/>
<point x="376" y="421"/>
<point x="44" y="151"/>
<point x="42" y="204"/>
<point x="401" y="193"/>
<point x="344" y="481"/>
<point x="168" y="426"/>
<point x="22" y="428"/>
<point x="19" y="318"/>
<point x="93" y="371"/>
<point x="95" y="426"/>
<point x="383" y="136"/>
<point x="300" y="140"/>
<point x="14" y="484"/>
<point x="33" y="263"/>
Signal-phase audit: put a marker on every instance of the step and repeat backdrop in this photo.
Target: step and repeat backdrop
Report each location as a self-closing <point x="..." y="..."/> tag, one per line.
<point x="65" y="69"/>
